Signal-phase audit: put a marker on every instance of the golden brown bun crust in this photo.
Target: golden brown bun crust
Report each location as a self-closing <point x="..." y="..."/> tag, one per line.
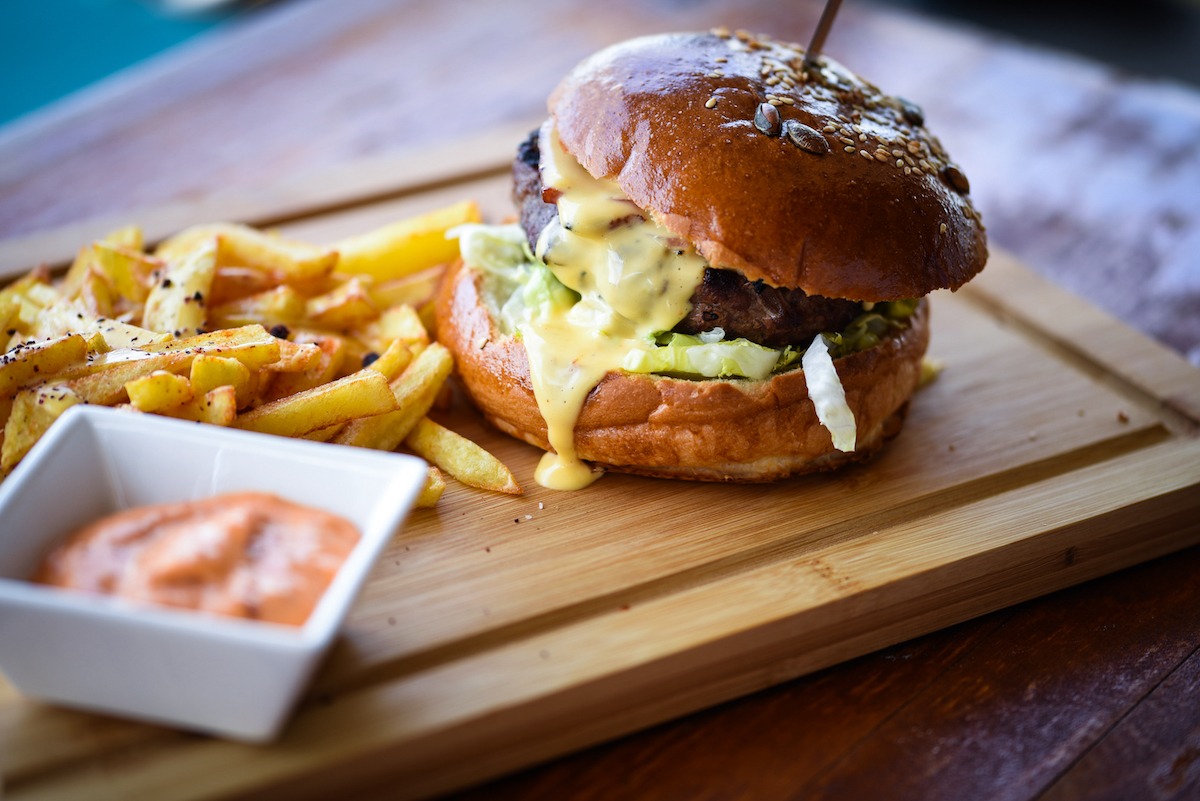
<point x="862" y="204"/>
<point x="708" y="430"/>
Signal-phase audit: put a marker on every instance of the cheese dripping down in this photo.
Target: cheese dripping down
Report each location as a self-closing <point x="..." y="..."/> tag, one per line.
<point x="635" y="280"/>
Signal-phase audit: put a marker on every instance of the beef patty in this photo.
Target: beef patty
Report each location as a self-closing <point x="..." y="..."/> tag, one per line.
<point x="768" y="315"/>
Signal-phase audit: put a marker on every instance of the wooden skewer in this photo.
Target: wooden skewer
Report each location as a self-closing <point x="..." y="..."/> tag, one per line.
<point x="822" y="31"/>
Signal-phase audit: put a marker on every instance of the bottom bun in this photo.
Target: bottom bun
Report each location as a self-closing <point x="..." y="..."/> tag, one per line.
<point x="735" y="430"/>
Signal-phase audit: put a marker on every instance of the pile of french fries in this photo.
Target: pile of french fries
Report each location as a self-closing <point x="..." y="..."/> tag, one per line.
<point x="229" y="325"/>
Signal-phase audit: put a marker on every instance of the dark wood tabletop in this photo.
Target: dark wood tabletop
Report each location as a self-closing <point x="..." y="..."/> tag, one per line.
<point x="1087" y="175"/>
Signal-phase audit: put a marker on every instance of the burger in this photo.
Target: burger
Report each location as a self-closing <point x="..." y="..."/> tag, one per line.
<point x="719" y="270"/>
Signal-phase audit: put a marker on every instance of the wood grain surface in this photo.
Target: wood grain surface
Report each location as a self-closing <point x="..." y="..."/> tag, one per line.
<point x="302" y="116"/>
<point x="500" y="631"/>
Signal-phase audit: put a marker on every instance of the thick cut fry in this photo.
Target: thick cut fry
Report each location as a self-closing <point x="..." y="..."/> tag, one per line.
<point x="9" y="308"/>
<point x="460" y="457"/>
<point x="129" y="272"/>
<point x="414" y="393"/>
<point x="210" y="372"/>
<point x="33" y="411"/>
<point x="177" y="302"/>
<point x="408" y="290"/>
<point x="288" y="261"/>
<point x="282" y="305"/>
<point x="94" y="296"/>
<point x="158" y="391"/>
<point x="27" y="283"/>
<point x="332" y="352"/>
<point x="431" y="493"/>
<point x="129" y="237"/>
<point x="65" y="316"/>
<point x="233" y="282"/>
<point x="84" y="271"/>
<point x="216" y="407"/>
<point x="294" y="356"/>
<point x="30" y="363"/>
<point x="344" y="307"/>
<point x="407" y="246"/>
<point x="398" y="322"/>
<point x="394" y="360"/>
<point x="360" y="394"/>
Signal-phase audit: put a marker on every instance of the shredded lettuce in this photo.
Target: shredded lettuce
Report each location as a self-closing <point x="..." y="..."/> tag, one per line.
<point x="683" y="354"/>
<point x="525" y="287"/>
<point x="826" y="392"/>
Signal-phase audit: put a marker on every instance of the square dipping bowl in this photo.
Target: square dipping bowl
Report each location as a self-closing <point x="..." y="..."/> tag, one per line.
<point x="226" y="676"/>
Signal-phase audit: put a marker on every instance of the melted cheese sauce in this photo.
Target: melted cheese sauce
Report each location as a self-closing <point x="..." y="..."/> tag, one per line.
<point x="635" y="280"/>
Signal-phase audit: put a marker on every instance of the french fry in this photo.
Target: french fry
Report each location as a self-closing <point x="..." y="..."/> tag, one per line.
<point x="281" y="305"/>
<point x="129" y="272"/>
<point x="176" y="303"/>
<point x="216" y="407"/>
<point x="209" y="372"/>
<point x="332" y="351"/>
<point x="460" y="457"/>
<point x="407" y="246"/>
<point x="288" y="261"/>
<point x="408" y="290"/>
<point x="394" y="359"/>
<point x="294" y="356"/>
<point x="30" y="363"/>
<point x="65" y="316"/>
<point x="344" y="307"/>
<point x="398" y="322"/>
<point x="158" y="391"/>
<point x="33" y="411"/>
<point x="431" y="493"/>
<point x="358" y="395"/>
<point x="233" y="282"/>
<point x="414" y="392"/>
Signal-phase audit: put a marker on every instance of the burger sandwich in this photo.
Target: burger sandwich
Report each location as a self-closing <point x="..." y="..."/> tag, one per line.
<point x="719" y="269"/>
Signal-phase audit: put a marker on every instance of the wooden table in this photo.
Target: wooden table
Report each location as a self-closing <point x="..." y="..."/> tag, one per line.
<point x="1091" y="178"/>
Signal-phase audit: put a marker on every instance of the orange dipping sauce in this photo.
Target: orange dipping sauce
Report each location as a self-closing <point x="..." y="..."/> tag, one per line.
<point x="250" y="554"/>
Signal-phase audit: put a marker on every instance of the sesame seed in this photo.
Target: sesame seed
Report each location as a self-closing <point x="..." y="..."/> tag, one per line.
<point x="716" y="74"/>
<point x="790" y="101"/>
<point x="830" y="129"/>
<point x="865" y="154"/>
<point x="721" y="59"/>
<point x="775" y="101"/>
<point x="908" y="170"/>
<point x="711" y="103"/>
<point x="849" y="148"/>
<point x="881" y="156"/>
<point x="899" y="162"/>
<point x="862" y="137"/>
<point x="943" y="228"/>
<point x="898" y="153"/>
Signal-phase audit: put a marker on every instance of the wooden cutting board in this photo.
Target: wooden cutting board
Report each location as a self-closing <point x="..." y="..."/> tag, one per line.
<point x="1057" y="445"/>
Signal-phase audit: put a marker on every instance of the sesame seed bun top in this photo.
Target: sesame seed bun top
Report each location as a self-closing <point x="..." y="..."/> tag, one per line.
<point x="834" y="188"/>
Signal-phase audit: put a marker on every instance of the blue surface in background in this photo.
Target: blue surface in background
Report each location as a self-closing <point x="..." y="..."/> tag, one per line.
<point x="50" y="48"/>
